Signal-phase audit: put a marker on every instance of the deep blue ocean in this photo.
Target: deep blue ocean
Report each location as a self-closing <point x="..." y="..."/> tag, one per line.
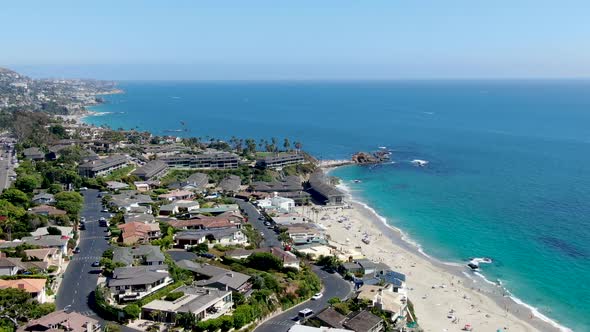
<point x="508" y="174"/>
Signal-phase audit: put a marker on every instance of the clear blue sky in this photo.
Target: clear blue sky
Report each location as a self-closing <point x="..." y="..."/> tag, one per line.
<point x="302" y="39"/>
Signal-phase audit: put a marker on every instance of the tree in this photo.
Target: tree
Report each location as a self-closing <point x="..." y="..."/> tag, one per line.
<point x="286" y="144"/>
<point x="16" y="307"/>
<point x="112" y="327"/>
<point x="264" y="261"/>
<point x="54" y="188"/>
<point x="58" y="130"/>
<point x="28" y="183"/>
<point x="132" y="311"/>
<point x="70" y="201"/>
<point x="11" y="211"/>
<point x="298" y="146"/>
<point x="51" y="230"/>
<point x="15" y="197"/>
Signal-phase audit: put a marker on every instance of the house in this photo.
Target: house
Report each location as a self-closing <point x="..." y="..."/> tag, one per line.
<point x="277" y="203"/>
<point x="129" y="199"/>
<point x="385" y="299"/>
<point x="43" y="199"/>
<point x="219" y="160"/>
<point x="152" y="170"/>
<point x="364" y="321"/>
<point x="143" y="254"/>
<point x="136" y="282"/>
<point x="287" y="258"/>
<point x="10" y="266"/>
<point x="280" y="160"/>
<point x="139" y="232"/>
<point x="180" y="206"/>
<point x="385" y="276"/>
<point x="41" y="231"/>
<point x="219" y="209"/>
<point x="206" y="222"/>
<point x="289" y="219"/>
<point x="62" y="321"/>
<point x="216" y="277"/>
<point x="48" y="256"/>
<point x="305" y="233"/>
<point x="224" y="236"/>
<point x="305" y="328"/>
<point x="177" y="195"/>
<point x="315" y="250"/>
<point x="196" y="182"/>
<point x="288" y="187"/>
<point x="139" y="217"/>
<point x="35" y="287"/>
<point x="322" y="192"/>
<point x="230" y="184"/>
<point x="116" y="185"/>
<point x="103" y="166"/>
<point x="34" y="154"/>
<point x="47" y="210"/>
<point x="204" y="303"/>
<point x="330" y="318"/>
<point x="59" y="242"/>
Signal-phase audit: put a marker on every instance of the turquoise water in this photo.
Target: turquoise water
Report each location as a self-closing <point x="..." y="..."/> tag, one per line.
<point x="508" y="174"/>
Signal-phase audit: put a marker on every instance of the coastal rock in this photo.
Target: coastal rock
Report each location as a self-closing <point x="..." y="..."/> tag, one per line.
<point x="370" y="158"/>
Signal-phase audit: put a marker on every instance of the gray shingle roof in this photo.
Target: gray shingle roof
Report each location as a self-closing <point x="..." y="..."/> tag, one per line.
<point x="137" y="275"/>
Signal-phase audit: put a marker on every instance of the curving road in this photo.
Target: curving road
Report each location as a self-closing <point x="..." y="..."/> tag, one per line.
<point x="334" y="286"/>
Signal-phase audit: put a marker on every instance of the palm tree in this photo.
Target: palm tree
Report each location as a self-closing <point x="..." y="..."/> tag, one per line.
<point x="298" y="146"/>
<point x="286" y="144"/>
<point x="8" y="225"/>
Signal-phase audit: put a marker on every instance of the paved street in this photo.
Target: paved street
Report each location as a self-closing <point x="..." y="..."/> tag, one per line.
<point x="80" y="279"/>
<point x="334" y="286"/>
<point x="6" y="167"/>
<point x="270" y="237"/>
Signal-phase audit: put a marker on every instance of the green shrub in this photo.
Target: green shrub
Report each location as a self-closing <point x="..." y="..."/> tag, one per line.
<point x="173" y="296"/>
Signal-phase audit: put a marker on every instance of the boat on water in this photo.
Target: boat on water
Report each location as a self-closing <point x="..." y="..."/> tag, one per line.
<point x="356" y="181"/>
<point x="420" y="162"/>
<point x="474" y="262"/>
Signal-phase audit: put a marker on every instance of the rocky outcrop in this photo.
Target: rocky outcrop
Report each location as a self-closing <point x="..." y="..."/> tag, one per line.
<point x="370" y="158"/>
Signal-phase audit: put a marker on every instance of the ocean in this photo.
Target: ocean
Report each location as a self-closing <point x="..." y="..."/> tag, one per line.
<point x="508" y="173"/>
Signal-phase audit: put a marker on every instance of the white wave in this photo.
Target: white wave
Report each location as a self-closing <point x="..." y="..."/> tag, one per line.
<point x="539" y="315"/>
<point x="429" y="113"/>
<point x="419" y="162"/>
<point x="480" y="260"/>
<point x="101" y="113"/>
<point x="174" y="97"/>
<point x="518" y="301"/>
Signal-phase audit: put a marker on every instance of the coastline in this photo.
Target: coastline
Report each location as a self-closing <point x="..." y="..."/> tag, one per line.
<point x="477" y="301"/>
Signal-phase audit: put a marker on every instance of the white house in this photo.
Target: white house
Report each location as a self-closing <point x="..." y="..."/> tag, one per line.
<point x="277" y="203"/>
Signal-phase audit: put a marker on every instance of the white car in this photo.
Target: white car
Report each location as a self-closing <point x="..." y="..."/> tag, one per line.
<point x="317" y="296"/>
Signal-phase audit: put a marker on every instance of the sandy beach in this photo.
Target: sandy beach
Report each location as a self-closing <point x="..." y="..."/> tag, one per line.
<point x="434" y="287"/>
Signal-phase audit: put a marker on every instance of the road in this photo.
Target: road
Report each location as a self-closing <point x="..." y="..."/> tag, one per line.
<point x="6" y="167"/>
<point x="334" y="286"/>
<point x="80" y="278"/>
<point x="270" y="237"/>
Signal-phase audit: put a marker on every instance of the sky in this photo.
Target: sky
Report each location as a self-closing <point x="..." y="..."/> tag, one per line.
<point x="302" y="39"/>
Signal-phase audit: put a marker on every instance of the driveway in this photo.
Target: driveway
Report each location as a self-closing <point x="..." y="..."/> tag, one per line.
<point x="270" y="237"/>
<point x="334" y="286"/>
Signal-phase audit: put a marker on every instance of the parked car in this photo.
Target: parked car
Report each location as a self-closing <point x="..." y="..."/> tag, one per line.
<point x="77" y="250"/>
<point x="207" y="255"/>
<point x="96" y="264"/>
<point x="317" y="296"/>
